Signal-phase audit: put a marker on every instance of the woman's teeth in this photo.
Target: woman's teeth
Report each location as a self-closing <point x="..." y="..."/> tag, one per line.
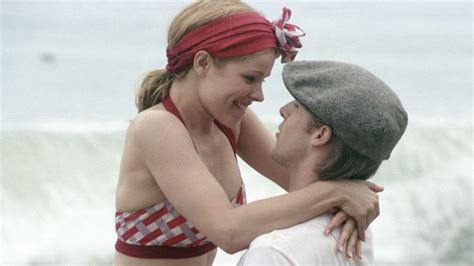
<point x="240" y="106"/>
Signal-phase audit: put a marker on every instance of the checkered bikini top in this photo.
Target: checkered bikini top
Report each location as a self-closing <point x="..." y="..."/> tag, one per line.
<point x="160" y="231"/>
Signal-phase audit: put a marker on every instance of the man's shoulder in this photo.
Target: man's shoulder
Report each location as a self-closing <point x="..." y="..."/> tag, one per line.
<point x="306" y="242"/>
<point x="296" y="237"/>
<point x="316" y="226"/>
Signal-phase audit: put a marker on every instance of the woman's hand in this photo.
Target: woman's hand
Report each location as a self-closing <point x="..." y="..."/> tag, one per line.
<point x="349" y="240"/>
<point x="360" y="202"/>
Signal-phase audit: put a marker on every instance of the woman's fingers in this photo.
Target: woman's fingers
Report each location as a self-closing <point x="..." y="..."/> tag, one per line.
<point x="346" y="232"/>
<point x="337" y="220"/>
<point x="373" y="213"/>
<point x="374" y="187"/>
<point x="377" y="209"/>
<point x="361" y="226"/>
<point x="358" y="248"/>
<point x="362" y="203"/>
<point x="352" y="242"/>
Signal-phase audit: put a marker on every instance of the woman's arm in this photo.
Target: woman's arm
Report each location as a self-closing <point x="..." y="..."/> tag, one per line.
<point x="254" y="145"/>
<point x="195" y="193"/>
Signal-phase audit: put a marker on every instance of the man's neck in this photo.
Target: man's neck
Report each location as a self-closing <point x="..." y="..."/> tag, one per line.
<point x="303" y="174"/>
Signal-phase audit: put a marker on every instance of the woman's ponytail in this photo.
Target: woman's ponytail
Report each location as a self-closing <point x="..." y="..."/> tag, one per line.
<point x="154" y="88"/>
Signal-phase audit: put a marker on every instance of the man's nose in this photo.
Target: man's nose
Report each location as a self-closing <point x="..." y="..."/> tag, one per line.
<point x="283" y="112"/>
<point x="286" y="110"/>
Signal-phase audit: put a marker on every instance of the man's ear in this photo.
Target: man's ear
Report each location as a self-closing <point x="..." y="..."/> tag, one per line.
<point x="201" y="63"/>
<point x="321" y="136"/>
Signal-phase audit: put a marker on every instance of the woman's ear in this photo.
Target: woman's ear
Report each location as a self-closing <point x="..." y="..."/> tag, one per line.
<point x="321" y="136"/>
<point x="202" y="61"/>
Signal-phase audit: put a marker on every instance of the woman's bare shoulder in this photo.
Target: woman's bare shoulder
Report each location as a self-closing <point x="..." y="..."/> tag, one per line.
<point x="153" y="119"/>
<point x="155" y="124"/>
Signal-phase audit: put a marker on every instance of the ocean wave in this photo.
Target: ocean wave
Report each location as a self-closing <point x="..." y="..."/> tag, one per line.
<point x="58" y="191"/>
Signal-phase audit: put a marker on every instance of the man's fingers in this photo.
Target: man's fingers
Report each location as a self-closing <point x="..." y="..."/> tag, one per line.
<point x="337" y="220"/>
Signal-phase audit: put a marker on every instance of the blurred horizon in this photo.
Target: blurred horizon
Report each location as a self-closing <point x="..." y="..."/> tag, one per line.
<point x="81" y="62"/>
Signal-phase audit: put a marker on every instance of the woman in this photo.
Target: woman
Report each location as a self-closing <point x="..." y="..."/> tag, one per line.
<point x="180" y="151"/>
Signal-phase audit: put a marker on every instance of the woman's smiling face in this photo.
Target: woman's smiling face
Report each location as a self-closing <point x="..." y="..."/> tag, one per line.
<point x="230" y="87"/>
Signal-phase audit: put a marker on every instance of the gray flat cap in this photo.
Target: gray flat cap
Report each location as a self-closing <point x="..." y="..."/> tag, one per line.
<point x="360" y="108"/>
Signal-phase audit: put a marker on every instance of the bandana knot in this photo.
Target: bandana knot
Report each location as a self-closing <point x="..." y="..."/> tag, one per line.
<point x="287" y="36"/>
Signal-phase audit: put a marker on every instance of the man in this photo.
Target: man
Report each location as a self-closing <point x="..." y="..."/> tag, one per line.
<point x="343" y="123"/>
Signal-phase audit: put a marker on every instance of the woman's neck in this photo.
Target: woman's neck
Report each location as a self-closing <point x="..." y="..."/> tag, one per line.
<point x="185" y="96"/>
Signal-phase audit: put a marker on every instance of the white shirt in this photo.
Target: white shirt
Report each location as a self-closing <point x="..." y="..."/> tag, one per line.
<point x="304" y="244"/>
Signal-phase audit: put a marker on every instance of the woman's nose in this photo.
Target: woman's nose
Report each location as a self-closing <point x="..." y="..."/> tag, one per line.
<point x="257" y="94"/>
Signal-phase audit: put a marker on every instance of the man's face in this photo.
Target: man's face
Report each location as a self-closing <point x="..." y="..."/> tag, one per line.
<point x="293" y="138"/>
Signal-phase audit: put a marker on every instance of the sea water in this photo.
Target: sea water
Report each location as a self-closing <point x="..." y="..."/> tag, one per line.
<point x="68" y="75"/>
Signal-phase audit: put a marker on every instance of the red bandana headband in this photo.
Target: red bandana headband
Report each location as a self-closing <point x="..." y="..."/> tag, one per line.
<point x="236" y="35"/>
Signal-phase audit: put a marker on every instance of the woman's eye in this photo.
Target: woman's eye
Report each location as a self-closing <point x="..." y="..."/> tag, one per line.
<point x="249" y="79"/>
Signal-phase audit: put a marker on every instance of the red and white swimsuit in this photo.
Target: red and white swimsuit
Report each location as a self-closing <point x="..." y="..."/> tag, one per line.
<point x="160" y="231"/>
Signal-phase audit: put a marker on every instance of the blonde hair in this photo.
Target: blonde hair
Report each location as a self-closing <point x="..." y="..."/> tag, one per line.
<point x="157" y="83"/>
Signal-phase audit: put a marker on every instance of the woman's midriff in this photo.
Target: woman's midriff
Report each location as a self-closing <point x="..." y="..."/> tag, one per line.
<point x="203" y="260"/>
